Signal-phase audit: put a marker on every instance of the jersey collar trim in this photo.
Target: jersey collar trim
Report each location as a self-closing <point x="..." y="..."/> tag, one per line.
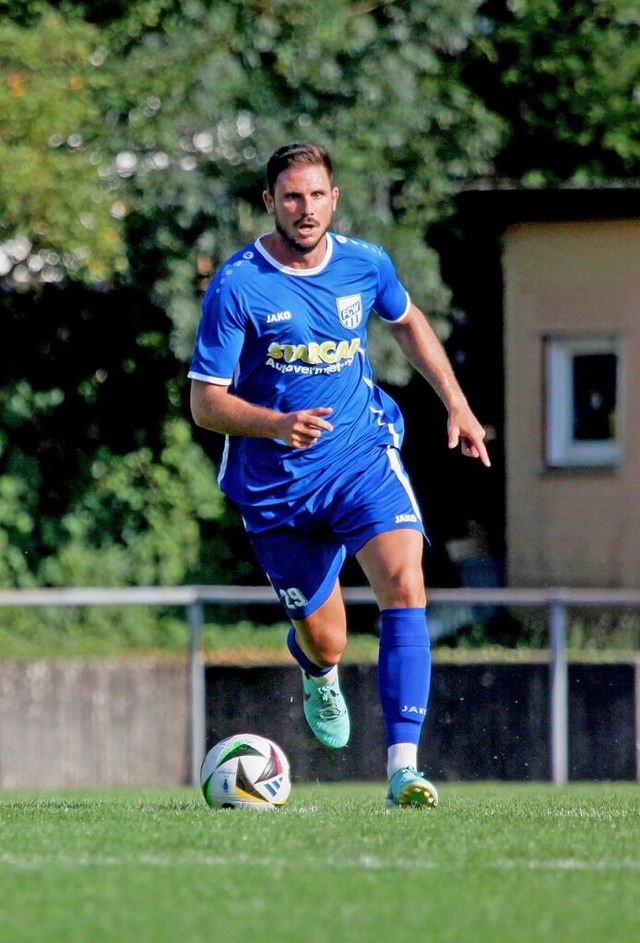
<point x="295" y="271"/>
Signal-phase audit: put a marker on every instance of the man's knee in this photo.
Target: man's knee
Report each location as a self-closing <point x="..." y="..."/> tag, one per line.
<point x="323" y="648"/>
<point x="323" y="635"/>
<point x="404" y="588"/>
<point x="392" y="563"/>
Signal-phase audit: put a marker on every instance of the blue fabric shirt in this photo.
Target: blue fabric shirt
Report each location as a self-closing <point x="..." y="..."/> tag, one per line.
<point x="293" y="339"/>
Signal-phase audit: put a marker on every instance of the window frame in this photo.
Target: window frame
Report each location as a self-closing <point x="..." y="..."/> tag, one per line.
<point x="562" y="450"/>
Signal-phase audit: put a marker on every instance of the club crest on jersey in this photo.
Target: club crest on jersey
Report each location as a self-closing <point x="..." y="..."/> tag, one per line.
<point x="350" y="310"/>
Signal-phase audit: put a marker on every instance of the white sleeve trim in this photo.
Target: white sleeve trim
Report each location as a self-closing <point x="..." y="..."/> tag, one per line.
<point x="402" y="316"/>
<point x="217" y="381"/>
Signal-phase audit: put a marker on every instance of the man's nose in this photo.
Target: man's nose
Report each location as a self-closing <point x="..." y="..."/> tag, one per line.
<point x="306" y="206"/>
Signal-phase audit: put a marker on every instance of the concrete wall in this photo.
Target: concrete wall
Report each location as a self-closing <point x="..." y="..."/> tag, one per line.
<point x="93" y="723"/>
<point x="564" y="526"/>
<point x="125" y="723"/>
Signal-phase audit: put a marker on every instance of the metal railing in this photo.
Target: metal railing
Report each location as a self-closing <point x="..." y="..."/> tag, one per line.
<point x="555" y="600"/>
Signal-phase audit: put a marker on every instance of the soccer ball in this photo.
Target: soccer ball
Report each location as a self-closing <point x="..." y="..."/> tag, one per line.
<point x="245" y="770"/>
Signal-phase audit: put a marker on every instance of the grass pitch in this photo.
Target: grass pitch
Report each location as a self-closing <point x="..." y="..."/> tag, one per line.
<point x="494" y="862"/>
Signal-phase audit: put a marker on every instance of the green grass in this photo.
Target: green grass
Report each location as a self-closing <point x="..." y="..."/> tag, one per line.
<point x="98" y="634"/>
<point x="495" y="862"/>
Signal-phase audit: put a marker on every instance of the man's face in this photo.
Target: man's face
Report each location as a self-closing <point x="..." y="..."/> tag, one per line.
<point x="302" y="206"/>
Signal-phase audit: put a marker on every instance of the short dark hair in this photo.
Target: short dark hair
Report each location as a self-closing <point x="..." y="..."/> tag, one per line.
<point x="296" y="154"/>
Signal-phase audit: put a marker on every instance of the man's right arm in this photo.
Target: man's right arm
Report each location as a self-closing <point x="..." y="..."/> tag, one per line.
<point x="214" y="407"/>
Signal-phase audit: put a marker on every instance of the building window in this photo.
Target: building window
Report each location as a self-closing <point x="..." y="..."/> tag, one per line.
<point x="583" y="403"/>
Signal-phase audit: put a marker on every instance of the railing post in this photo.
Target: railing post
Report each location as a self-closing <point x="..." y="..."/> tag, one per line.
<point x="637" y="693"/>
<point x="559" y="699"/>
<point x="197" y="734"/>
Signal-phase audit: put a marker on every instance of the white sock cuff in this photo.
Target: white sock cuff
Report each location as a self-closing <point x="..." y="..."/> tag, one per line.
<point x="400" y="755"/>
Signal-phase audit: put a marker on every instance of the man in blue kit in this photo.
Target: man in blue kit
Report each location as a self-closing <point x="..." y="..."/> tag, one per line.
<point x="312" y="445"/>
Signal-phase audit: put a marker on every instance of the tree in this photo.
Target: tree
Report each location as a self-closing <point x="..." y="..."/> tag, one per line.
<point x="58" y="220"/>
<point x="564" y="76"/>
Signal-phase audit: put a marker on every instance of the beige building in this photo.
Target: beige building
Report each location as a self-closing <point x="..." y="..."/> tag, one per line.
<point x="572" y="400"/>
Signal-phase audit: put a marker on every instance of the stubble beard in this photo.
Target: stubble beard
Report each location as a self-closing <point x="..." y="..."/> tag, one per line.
<point x="302" y="248"/>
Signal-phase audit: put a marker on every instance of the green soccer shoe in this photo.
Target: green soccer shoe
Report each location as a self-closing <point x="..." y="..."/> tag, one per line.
<point x="408" y="787"/>
<point x="326" y="711"/>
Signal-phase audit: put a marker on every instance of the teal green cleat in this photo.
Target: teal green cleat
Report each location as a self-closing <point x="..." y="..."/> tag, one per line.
<point x="326" y="711"/>
<point x="408" y="787"/>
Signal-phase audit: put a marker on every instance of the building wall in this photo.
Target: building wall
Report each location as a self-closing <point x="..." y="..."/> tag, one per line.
<point x="567" y="526"/>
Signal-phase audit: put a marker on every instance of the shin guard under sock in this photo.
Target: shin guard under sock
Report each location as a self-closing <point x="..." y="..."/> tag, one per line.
<point x="404" y="673"/>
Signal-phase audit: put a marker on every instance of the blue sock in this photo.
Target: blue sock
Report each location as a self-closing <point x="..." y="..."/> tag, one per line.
<point x="404" y="673"/>
<point x="305" y="663"/>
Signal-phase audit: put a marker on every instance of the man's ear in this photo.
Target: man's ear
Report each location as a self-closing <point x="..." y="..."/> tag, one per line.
<point x="268" y="201"/>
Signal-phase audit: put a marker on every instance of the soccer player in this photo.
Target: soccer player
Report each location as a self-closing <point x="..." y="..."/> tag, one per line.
<point x="312" y="451"/>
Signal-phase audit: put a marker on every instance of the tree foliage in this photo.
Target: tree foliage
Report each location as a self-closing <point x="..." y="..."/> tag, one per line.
<point x="58" y="220"/>
<point x="566" y="78"/>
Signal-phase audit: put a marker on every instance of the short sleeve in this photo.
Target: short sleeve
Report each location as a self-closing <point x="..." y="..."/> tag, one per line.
<point x="392" y="301"/>
<point x="220" y="339"/>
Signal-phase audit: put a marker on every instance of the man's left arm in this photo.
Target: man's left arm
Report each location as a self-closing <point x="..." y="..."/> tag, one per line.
<point x="424" y="351"/>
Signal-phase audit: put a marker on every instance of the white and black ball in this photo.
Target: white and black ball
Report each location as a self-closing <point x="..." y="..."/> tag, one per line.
<point x="245" y="770"/>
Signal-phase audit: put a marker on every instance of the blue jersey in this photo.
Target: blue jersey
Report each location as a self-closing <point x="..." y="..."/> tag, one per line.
<point x="292" y="339"/>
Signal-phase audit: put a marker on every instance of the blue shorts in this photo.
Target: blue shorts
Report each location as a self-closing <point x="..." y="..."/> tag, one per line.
<point x="304" y="554"/>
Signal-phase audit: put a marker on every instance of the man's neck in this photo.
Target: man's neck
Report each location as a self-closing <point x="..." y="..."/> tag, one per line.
<point x="287" y="254"/>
